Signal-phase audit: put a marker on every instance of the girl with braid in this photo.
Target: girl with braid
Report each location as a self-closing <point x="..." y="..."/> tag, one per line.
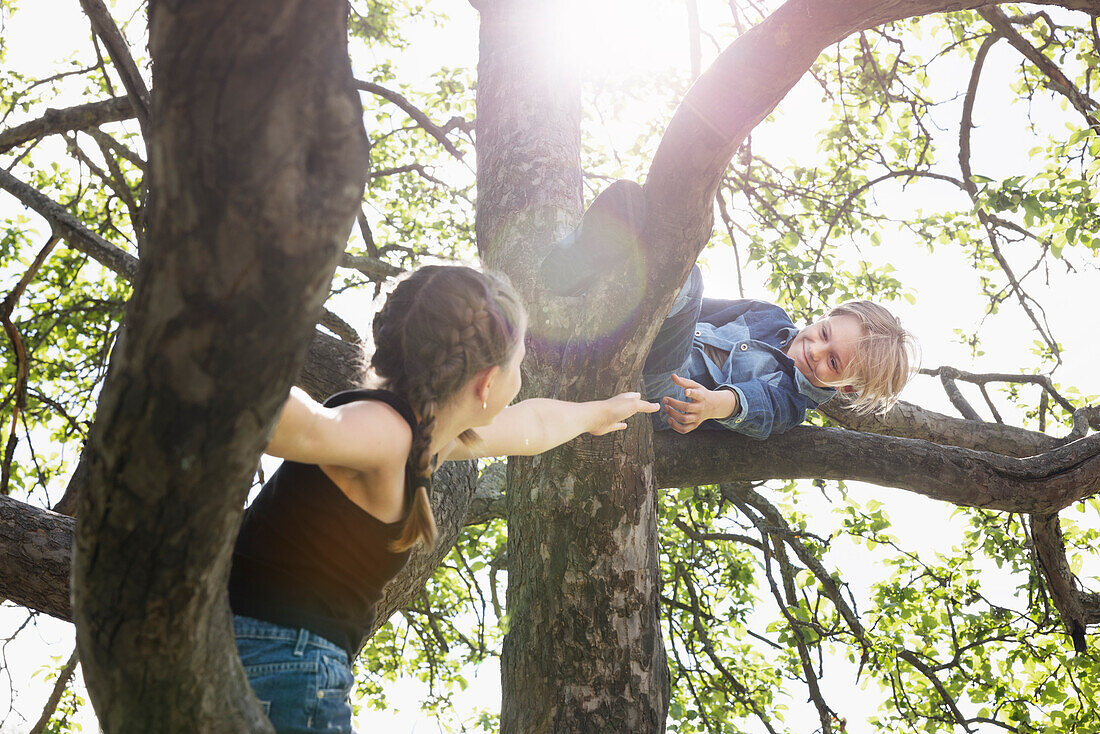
<point x="339" y="517"/>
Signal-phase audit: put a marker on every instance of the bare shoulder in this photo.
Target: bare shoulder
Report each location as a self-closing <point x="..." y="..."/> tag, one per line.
<point x="375" y="416"/>
<point x="380" y="433"/>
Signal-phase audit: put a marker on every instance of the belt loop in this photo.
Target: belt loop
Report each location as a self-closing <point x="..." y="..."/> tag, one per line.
<point x="303" y="639"/>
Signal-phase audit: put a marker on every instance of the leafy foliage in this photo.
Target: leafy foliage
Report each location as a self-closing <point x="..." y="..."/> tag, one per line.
<point x="771" y="592"/>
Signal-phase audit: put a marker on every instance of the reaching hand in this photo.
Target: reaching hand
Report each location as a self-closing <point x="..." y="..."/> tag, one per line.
<point x="702" y="404"/>
<point x="614" y="412"/>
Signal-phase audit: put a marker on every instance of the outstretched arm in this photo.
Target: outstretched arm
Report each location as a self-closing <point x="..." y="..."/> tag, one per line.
<point x="361" y="435"/>
<point x="540" y="424"/>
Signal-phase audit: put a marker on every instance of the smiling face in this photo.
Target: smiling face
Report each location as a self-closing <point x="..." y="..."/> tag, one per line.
<point x="824" y="349"/>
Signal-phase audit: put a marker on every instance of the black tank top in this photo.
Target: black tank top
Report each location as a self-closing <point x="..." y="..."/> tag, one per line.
<point x="307" y="556"/>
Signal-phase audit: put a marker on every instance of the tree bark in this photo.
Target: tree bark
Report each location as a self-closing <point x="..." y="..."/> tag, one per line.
<point x="1042" y="484"/>
<point x="273" y="120"/>
<point x="36" y="548"/>
<point x="256" y="169"/>
<point x="584" y="650"/>
<point x="34" y="543"/>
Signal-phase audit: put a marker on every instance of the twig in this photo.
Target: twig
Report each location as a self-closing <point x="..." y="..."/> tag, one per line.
<point x="733" y="240"/>
<point x="928" y="673"/>
<point x="370" y="266"/>
<point x="965" y="126"/>
<point x="59" y="687"/>
<point x="1043" y="381"/>
<point x="23" y="364"/>
<point x="419" y="117"/>
<point x="956" y="398"/>
<point x="123" y="151"/>
<point x="115" y="180"/>
<point x="1057" y="80"/>
<point x="368" y="235"/>
<point x="412" y="167"/>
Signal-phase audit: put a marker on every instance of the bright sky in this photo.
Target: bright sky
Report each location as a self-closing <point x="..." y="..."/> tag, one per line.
<point x="640" y="37"/>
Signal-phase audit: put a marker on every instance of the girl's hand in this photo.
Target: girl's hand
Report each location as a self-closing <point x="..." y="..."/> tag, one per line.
<point x="614" y="411"/>
<point x="702" y="404"/>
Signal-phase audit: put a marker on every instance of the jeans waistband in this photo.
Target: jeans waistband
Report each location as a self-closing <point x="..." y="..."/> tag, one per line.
<point x="301" y="637"/>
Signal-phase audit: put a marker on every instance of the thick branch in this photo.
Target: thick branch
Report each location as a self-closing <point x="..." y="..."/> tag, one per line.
<point x="36" y="548"/>
<point x="740" y="89"/>
<point x="911" y="421"/>
<point x="80" y="117"/>
<point x="34" y="544"/>
<point x="1040" y="484"/>
<point x="1050" y="548"/>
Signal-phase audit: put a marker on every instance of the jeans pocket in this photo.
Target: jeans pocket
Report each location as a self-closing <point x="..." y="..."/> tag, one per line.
<point x="287" y="690"/>
<point x="334" y="686"/>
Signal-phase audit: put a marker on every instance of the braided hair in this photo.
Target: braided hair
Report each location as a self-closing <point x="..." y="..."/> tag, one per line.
<point x="438" y="329"/>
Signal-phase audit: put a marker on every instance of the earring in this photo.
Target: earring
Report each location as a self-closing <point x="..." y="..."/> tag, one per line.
<point x="484" y="404"/>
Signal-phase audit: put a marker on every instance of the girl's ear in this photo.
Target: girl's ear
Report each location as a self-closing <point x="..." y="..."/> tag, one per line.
<point x="483" y="383"/>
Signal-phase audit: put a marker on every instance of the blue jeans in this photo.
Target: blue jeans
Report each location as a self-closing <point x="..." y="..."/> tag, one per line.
<point x="672" y="345"/>
<point x="301" y="679"/>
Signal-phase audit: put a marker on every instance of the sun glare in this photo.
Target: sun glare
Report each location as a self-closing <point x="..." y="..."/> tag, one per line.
<point x="618" y="38"/>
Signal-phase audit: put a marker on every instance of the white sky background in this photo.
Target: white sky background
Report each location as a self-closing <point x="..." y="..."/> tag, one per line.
<point x="649" y="36"/>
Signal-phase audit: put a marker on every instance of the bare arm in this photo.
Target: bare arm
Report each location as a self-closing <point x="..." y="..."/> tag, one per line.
<point x="540" y="424"/>
<point x="361" y="436"/>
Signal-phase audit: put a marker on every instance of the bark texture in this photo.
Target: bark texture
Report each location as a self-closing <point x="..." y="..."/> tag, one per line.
<point x="1042" y="484"/>
<point x="256" y="167"/>
<point x="35" y="548"/>
<point x="584" y="650"/>
<point x="34" y="543"/>
<point x="257" y="161"/>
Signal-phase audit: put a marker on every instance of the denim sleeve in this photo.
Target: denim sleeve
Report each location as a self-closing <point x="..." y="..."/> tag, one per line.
<point x="765" y="409"/>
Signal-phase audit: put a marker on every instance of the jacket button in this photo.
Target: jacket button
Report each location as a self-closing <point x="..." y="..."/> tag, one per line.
<point x="320" y="694"/>
<point x="744" y="347"/>
<point x="698" y="333"/>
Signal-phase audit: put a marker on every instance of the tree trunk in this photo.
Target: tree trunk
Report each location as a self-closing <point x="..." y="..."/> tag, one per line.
<point x="257" y="160"/>
<point x="583" y="651"/>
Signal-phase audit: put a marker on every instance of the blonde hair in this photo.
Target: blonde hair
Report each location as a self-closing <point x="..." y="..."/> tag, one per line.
<point x="439" y="327"/>
<point x="884" y="360"/>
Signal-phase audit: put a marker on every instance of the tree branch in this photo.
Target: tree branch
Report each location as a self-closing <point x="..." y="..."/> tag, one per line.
<point x="1039" y="484"/>
<point x="911" y="421"/>
<point x="1050" y="548"/>
<point x="70" y="228"/>
<point x="59" y="687"/>
<point x="965" y="126"/>
<point x="119" y="50"/>
<point x="80" y="117"/>
<point x="1057" y="80"/>
<point x="947" y="698"/>
<point x="372" y="267"/>
<point x="414" y="112"/>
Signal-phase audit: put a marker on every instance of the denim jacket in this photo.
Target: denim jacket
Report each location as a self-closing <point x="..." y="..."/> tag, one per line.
<point x="773" y="394"/>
